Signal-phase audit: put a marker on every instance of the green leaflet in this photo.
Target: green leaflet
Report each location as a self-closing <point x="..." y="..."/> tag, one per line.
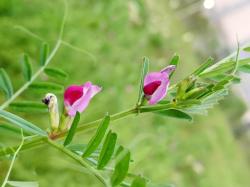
<point x="107" y="150"/>
<point x="207" y="102"/>
<point x="22" y="123"/>
<point x="155" y="108"/>
<point x="97" y="138"/>
<point x="46" y="87"/>
<point x="56" y="73"/>
<point x="139" y="182"/>
<point x="144" y="71"/>
<point x="28" y="106"/>
<point x="72" y="129"/>
<point x="195" y="93"/>
<point x="5" y="127"/>
<point x="23" y="183"/>
<point x="245" y="68"/>
<point x="204" y="66"/>
<point x="184" y="86"/>
<point x="223" y="67"/>
<point x="77" y="148"/>
<point x="163" y="102"/>
<point x="247" y="49"/>
<point x="175" y="113"/>
<point x="121" y="166"/>
<point x="223" y="83"/>
<point x="43" y="54"/>
<point x="174" y="61"/>
<point x="5" y="83"/>
<point x="188" y="103"/>
<point x="26" y="67"/>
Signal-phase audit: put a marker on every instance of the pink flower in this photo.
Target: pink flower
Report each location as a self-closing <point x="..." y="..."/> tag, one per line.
<point x="156" y="84"/>
<point x="77" y="98"/>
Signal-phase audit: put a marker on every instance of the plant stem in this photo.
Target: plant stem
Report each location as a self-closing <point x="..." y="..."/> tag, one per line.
<point x="38" y="140"/>
<point x="78" y="159"/>
<point x="13" y="160"/>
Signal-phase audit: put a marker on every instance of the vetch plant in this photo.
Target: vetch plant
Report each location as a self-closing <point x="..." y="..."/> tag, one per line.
<point x="195" y="94"/>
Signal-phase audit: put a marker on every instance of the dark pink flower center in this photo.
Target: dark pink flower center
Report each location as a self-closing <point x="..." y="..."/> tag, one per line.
<point x="72" y="94"/>
<point x="150" y="88"/>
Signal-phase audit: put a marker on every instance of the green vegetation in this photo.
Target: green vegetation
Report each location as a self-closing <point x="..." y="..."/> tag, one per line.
<point x="105" y="42"/>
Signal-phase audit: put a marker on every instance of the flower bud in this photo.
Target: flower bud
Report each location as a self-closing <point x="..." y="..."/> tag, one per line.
<point x="51" y="101"/>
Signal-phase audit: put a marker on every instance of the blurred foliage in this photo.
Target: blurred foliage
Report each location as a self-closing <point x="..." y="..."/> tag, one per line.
<point x="110" y="39"/>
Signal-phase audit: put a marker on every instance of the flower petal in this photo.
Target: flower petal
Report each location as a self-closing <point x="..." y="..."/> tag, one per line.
<point x="160" y="92"/>
<point x="152" y="77"/>
<point x="150" y="88"/>
<point x="169" y="69"/>
<point x="72" y="94"/>
<point x="81" y="104"/>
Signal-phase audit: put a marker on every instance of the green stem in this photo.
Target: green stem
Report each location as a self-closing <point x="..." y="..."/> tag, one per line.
<point x="38" y="140"/>
<point x="12" y="162"/>
<point x="78" y="159"/>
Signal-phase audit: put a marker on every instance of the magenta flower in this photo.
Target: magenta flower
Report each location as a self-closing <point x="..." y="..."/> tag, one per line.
<point x="77" y="98"/>
<point x="156" y="84"/>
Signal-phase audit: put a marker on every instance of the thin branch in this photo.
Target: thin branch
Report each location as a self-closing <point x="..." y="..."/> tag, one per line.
<point x="13" y="161"/>
<point x="237" y="57"/>
<point x="30" y="33"/>
<point x="38" y="140"/>
<point x="48" y="60"/>
<point x="80" y="50"/>
<point x="80" y="160"/>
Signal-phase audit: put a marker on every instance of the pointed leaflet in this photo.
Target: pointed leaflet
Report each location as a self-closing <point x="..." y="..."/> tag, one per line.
<point x="23" y="183"/>
<point x="46" y="87"/>
<point x="195" y="93"/>
<point x="26" y="67"/>
<point x="22" y="123"/>
<point x="144" y="71"/>
<point x="121" y="166"/>
<point x="204" y="66"/>
<point x="175" y="113"/>
<point x="43" y="54"/>
<point x="247" y="49"/>
<point x="174" y="61"/>
<point x="107" y="150"/>
<point x="5" y="83"/>
<point x="139" y="182"/>
<point x="72" y="129"/>
<point x="207" y="102"/>
<point x="184" y="86"/>
<point x="6" y="127"/>
<point x="28" y="106"/>
<point x="77" y="148"/>
<point x="245" y="68"/>
<point x="222" y="67"/>
<point x="97" y="138"/>
<point x="56" y="73"/>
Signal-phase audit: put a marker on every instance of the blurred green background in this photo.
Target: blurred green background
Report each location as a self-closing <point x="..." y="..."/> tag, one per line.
<point x="113" y="36"/>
